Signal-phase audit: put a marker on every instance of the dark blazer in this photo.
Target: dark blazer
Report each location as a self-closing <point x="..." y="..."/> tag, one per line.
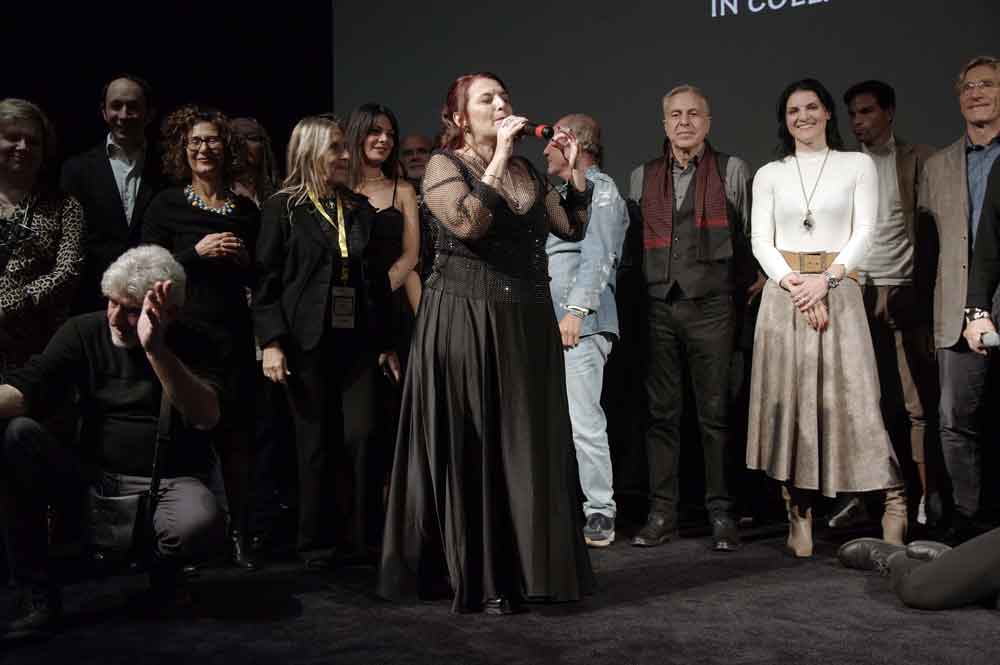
<point x="295" y="271"/>
<point x="88" y="177"/>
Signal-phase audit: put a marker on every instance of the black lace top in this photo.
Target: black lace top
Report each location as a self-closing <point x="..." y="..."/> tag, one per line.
<point x="491" y="242"/>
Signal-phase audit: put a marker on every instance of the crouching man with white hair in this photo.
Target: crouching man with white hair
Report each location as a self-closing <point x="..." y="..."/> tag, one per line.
<point x="121" y="362"/>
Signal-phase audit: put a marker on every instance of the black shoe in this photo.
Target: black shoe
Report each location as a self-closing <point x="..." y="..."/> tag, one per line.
<point x="37" y="613"/>
<point x="241" y="556"/>
<point x="657" y="531"/>
<point x="868" y="554"/>
<point x="926" y="550"/>
<point x="725" y="534"/>
<point x="500" y="605"/>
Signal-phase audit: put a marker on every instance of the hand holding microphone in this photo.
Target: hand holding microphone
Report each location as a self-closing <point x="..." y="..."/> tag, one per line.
<point x="980" y="335"/>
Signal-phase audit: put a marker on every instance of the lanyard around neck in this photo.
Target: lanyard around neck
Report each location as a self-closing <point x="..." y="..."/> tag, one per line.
<point x="341" y="232"/>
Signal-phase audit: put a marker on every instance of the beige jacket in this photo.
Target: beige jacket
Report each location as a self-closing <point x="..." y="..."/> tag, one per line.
<point x="943" y="212"/>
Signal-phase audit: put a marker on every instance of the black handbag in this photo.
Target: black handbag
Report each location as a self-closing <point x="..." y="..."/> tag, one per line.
<point x="121" y="527"/>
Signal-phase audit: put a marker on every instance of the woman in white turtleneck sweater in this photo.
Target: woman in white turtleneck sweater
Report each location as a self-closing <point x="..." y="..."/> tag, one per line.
<point x="815" y="423"/>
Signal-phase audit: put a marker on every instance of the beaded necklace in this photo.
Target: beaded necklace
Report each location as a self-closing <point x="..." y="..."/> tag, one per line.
<point x="227" y="208"/>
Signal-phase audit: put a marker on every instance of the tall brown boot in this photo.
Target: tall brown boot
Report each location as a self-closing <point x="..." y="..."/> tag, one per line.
<point x="894" y="519"/>
<point x="798" y="504"/>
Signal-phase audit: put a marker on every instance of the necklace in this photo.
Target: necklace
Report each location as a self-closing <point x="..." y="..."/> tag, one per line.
<point x="809" y="222"/>
<point x="226" y="208"/>
<point x="506" y="183"/>
<point x="376" y="178"/>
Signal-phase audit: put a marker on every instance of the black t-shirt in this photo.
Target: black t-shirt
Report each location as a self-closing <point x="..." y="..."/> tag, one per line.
<point x="120" y="394"/>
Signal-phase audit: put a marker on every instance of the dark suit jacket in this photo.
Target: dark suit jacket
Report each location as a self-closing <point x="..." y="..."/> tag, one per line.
<point x="295" y="270"/>
<point x="88" y="177"/>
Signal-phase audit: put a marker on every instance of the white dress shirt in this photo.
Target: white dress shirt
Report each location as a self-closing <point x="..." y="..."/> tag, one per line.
<point x="128" y="173"/>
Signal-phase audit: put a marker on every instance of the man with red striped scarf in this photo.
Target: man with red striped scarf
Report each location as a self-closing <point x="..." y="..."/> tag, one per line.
<point x="695" y="211"/>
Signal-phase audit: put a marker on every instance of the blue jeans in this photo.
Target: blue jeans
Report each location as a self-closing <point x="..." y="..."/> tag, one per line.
<point x="584" y="380"/>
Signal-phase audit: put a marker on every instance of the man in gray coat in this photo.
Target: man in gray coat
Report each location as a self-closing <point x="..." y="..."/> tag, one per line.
<point x="952" y="187"/>
<point x="583" y="293"/>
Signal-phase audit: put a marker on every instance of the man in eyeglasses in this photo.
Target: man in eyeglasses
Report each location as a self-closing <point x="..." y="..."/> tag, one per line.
<point x="114" y="182"/>
<point x="952" y="188"/>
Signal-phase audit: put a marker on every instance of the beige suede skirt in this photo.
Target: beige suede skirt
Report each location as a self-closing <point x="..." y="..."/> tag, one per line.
<point x="815" y="420"/>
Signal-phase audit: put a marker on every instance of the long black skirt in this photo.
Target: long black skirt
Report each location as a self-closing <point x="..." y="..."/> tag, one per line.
<point x="484" y="481"/>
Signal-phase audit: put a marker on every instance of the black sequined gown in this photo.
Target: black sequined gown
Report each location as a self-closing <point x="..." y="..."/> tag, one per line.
<point x="484" y="479"/>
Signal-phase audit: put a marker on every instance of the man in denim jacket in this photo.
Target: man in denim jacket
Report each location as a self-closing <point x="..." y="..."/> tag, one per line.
<point x="583" y="293"/>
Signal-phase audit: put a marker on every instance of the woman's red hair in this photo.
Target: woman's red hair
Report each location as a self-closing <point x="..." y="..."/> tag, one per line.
<point x="451" y="137"/>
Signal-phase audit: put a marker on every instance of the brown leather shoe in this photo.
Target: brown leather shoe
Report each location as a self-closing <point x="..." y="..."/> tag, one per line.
<point x="659" y="529"/>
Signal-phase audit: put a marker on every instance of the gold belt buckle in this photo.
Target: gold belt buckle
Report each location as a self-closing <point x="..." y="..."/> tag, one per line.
<point x="812" y="262"/>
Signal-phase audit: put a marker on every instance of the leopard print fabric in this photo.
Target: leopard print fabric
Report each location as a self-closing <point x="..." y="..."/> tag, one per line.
<point x="42" y="274"/>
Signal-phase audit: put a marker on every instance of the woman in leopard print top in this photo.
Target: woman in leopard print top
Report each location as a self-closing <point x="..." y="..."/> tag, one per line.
<point x="41" y="236"/>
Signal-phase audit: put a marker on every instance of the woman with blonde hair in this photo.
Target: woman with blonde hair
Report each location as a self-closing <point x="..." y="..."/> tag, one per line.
<point x="317" y="312"/>
<point x="41" y="236"/>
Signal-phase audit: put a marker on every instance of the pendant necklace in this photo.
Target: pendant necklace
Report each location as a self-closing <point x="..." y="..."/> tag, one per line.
<point x="809" y="221"/>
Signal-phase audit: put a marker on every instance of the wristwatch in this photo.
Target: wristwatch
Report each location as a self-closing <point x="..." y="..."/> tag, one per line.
<point x="831" y="281"/>
<point x="577" y="311"/>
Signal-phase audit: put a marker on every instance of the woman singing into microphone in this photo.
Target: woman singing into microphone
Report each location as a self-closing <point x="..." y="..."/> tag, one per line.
<point x="483" y="487"/>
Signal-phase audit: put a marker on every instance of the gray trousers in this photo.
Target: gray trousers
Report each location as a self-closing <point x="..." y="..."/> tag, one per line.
<point x="37" y="471"/>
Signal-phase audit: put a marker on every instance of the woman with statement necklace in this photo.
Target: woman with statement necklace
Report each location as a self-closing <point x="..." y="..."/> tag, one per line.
<point x="814" y="421"/>
<point x="212" y="232"/>
<point x="483" y="490"/>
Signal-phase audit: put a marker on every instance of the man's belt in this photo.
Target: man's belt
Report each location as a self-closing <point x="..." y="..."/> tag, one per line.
<point x="811" y="263"/>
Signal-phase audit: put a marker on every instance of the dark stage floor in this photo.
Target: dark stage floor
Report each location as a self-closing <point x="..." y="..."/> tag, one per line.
<point x="677" y="603"/>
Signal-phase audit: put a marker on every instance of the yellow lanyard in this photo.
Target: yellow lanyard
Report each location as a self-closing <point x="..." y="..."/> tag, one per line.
<point x="341" y="233"/>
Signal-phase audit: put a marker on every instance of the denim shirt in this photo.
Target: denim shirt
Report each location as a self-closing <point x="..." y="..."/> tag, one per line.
<point x="583" y="273"/>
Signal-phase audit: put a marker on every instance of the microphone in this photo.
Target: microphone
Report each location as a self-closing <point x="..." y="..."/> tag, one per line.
<point x="990" y="340"/>
<point x="544" y="132"/>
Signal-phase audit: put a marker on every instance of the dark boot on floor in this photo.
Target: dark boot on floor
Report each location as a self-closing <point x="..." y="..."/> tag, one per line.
<point x="725" y="534"/>
<point x="926" y="550"/>
<point x="502" y="605"/>
<point x="868" y="554"/>
<point x="241" y="553"/>
<point x="36" y="614"/>
<point x="659" y="529"/>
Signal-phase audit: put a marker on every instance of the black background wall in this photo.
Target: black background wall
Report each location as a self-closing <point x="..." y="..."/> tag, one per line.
<point x="269" y="60"/>
<point x="616" y="59"/>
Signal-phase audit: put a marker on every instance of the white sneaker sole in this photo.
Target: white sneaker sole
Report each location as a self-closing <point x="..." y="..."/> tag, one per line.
<point x="600" y="543"/>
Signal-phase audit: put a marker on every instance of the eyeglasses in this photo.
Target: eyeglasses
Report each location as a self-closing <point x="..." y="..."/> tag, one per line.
<point x="985" y="84"/>
<point x="195" y="142"/>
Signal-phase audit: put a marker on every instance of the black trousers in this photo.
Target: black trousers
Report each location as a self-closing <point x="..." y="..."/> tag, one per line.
<point x="38" y="471"/>
<point x="963" y="376"/>
<point x="689" y="336"/>
<point x="968" y="574"/>
<point x="331" y="397"/>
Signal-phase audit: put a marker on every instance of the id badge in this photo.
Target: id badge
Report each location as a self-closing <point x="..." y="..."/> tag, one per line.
<point x="342" y="311"/>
